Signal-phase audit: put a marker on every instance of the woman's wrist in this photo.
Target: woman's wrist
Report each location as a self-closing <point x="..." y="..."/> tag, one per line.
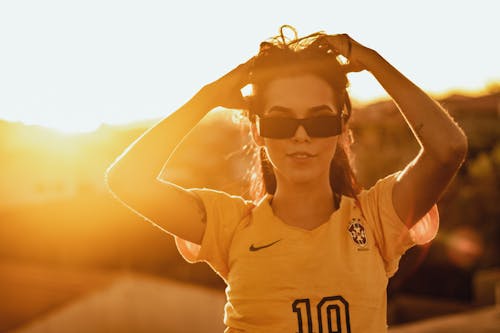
<point x="371" y="59"/>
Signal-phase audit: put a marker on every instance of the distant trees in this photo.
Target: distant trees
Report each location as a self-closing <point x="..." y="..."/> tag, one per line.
<point x="217" y="155"/>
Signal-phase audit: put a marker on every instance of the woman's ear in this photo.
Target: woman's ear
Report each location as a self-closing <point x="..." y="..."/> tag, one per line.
<point x="255" y="134"/>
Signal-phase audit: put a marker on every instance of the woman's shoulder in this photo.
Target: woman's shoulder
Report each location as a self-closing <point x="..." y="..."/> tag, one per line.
<point x="213" y="194"/>
<point x="382" y="184"/>
<point x="223" y="202"/>
<point x="378" y="207"/>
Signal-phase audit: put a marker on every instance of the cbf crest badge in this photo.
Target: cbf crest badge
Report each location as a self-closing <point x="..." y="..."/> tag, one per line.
<point x="357" y="231"/>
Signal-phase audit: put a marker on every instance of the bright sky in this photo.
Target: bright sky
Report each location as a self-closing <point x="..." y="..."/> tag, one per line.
<point x="72" y="65"/>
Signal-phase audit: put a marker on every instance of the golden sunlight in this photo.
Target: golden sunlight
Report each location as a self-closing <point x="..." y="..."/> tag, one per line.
<point x="67" y="125"/>
<point x="81" y="81"/>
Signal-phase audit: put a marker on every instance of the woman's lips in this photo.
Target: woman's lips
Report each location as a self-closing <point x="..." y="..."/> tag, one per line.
<point x="301" y="155"/>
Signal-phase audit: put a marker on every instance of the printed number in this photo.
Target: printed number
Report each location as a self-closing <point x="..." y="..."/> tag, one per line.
<point x="333" y="314"/>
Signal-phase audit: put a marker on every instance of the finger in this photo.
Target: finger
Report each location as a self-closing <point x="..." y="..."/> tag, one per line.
<point x="338" y="42"/>
<point x="347" y="39"/>
<point x="352" y="67"/>
<point x="240" y="73"/>
<point x="244" y="67"/>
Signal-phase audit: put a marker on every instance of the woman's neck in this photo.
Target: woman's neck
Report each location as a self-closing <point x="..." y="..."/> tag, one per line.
<point x="306" y="206"/>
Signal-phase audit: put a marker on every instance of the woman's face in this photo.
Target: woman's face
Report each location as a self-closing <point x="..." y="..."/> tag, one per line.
<point x="300" y="159"/>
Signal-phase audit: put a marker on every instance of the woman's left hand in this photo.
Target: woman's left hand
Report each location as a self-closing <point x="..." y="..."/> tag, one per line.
<point x="357" y="54"/>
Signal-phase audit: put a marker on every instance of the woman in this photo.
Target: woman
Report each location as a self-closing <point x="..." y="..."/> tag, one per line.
<point x="315" y="252"/>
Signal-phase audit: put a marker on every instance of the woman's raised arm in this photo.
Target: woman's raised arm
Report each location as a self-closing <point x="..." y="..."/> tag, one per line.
<point x="443" y="144"/>
<point x="133" y="176"/>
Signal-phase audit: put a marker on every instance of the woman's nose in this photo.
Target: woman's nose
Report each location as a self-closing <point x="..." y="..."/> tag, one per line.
<point x="301" y="134"/>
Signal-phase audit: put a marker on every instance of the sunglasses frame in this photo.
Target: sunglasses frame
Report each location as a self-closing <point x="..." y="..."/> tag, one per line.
<point x="315" y="127"/>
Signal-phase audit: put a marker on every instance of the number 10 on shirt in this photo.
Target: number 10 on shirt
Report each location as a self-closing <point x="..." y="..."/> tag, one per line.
<point x="333" y="315"/>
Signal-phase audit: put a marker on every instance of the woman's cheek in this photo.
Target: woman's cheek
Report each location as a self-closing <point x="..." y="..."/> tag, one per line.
<point x="273" y="152"/>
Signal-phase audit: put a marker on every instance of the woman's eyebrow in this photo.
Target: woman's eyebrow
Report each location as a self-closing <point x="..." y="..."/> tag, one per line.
<point x="311" y="110"/>
<point x="321" y="108"/>
<point x="277" y="108"/>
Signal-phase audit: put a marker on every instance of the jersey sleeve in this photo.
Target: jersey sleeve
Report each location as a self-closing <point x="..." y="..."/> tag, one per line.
<point x="391" y="234"/>
<point x="223" y="213"/>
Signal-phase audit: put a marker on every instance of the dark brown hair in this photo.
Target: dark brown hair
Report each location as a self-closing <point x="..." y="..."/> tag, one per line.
<point x="281" y="57"/>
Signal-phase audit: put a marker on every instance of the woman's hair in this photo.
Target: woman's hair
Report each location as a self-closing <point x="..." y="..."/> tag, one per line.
<point x="280" y="56"/>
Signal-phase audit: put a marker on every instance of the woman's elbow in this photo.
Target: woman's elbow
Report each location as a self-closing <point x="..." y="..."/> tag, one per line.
<point x="112" y="180"/>
<point x="456" y="151"/>
<point x="460" y="147"/>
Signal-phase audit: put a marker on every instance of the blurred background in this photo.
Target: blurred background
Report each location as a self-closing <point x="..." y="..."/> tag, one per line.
<point x="80" y="82"/>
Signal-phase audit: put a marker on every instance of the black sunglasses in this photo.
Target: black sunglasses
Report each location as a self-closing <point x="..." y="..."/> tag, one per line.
<point x="282" y="128"/>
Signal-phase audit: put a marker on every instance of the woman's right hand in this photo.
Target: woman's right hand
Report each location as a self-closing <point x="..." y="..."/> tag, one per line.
<point x="226" y="91"/>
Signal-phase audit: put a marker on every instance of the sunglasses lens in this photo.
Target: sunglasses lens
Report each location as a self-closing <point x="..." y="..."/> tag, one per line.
<point x="277" y="128"/>
<point x="324" y="126"/>
<point x="282" y="128"/>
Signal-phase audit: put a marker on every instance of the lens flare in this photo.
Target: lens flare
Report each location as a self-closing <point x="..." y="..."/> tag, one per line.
<point x="464" y="247"/>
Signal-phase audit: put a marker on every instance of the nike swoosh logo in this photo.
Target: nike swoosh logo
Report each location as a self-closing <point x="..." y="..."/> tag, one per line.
<point x="257" y="248"/>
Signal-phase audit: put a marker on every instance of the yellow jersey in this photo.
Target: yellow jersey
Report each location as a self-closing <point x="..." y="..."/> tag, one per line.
<point x="282" y="278"/>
